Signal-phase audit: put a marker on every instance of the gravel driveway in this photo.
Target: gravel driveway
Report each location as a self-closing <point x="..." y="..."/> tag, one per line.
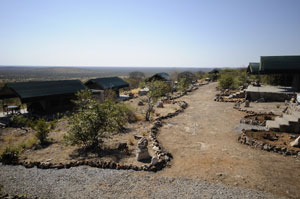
<point x="87" y="182"/>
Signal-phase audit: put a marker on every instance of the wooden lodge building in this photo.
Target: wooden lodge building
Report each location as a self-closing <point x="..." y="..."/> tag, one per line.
<point x="44" y="96"/>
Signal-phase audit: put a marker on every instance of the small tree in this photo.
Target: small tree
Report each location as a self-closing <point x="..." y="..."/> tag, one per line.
<point x="189" y="76"/>
<point x="183" y="84"/>
<point x="42" y="129"/>
<point x="135" y="78"/>
<point x="94" y="120"/>
<point x="137" y="75"/>
<point x="84" y="100"/>
<point x="226" y="81"/>
<point x="157" y="89"/>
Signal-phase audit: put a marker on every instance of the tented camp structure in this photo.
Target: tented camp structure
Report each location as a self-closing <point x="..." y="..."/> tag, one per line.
<point x="160" y="76"/>
<point x="289" y="66"/>
<point x="253" y="68"/>
<point x="43" y="96"/>
<point x="107" y="83"/>
<point x="278" y="65"/>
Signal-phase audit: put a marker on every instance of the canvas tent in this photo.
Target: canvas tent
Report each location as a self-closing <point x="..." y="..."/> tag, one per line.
<point x="107" y="83"/>
<point x="279" y="64"/>
<point x="43" y="96"/>
<point x="253" y="68"/>
<point x="160" y="76"/>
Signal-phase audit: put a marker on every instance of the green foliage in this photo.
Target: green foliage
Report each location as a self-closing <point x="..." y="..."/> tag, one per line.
<point x="133" y="83"/>
<point x="232" y="78"/>
<point x="213" y="75"/>
<point x="200" y="74"/>
<point x="189" y="76"/>
<point x="42" y="129"/>
<point x="94" y="120"/>
<point x="242" y="78"/>
<point x="29" y="143"/>
<point x="19" y="121"/>
<point x="183" y="84"/>
<point x="135" y="79"/>
<point x="9" y="155"/>
<point x="226" y="81"/>
<point x="84" y="99"/>
<point x="277" y="79"/>
<point x="136" y="75"/>
<point x="157" y="89"/>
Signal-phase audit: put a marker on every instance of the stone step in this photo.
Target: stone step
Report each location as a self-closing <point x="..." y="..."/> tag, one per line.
<point x="291" y="118"/>
<point x="272" y="125"/>
<point x="296" y="114"/>
<point x="281" y="121"/>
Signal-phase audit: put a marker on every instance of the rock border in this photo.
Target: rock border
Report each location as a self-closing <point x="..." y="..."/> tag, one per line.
<point x="244" y="139"/>
<point x="245" y="120"/>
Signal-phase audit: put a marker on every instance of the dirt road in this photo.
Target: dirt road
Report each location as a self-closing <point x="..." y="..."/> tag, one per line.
<point x="205" y="147"/>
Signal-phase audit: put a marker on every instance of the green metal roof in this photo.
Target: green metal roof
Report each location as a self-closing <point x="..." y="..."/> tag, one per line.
<point x="253" y="68"/>
<point x="37" y="89"/>
<point x="280" y="64"/>
<point x="162" y="76"/>
<point x="108" y="82"/>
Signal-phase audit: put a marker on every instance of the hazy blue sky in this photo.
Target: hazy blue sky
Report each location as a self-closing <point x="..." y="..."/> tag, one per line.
<point x="211" y="33"/>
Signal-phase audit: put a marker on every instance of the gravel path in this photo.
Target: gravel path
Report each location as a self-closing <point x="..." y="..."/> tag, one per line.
<point x="87" y="182"/>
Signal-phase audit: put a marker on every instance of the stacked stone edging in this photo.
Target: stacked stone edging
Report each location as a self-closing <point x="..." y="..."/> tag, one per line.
<point x="244" y="139"/>
<point x="245" y="120"/>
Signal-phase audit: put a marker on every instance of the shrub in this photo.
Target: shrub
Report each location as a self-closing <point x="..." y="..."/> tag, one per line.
<point x="29" y="143"/>
<point x="42" y="129"/>
<point x="157" y="89"/>
<point x="9" y="155"/>
<point x="183" y="84"/>
<point x="226" y="81"/>
<point x="94" y="120"/>
<point x="19" y="121"/>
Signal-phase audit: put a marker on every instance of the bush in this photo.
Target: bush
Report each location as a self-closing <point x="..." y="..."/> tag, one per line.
<point x="29" y="143"/>
<point x="9" y="155"/>
<point x="157" y="89"/>
<point x="20" y="121"/>
<point x="226" y="81"/>
<point x="42" y="129"/>
<point x="183" y="84"/>
<point x="94" y="120"/>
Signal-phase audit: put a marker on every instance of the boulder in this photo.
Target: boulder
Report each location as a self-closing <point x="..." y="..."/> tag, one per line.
<point x="154" y="160"/>
<point x="160" y="104"/>
<point x="247" y="103"/>
<point x="142" y="150"/>
<point x="296" y="142"/>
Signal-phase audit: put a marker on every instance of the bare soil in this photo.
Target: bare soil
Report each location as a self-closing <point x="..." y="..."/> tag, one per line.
<point x="277" y="139"/>
<point x="261" y="117"/>
<point x="204" y="146"/>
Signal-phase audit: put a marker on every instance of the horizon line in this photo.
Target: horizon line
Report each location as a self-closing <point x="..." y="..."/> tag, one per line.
<point x="61" y="66"/>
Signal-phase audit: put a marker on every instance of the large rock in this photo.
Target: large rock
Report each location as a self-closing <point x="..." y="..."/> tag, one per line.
<point x="142" y="150"/>
<point x="247" y="103"/>
<point x="296" y="143"/>
<point x="160" y="104"/>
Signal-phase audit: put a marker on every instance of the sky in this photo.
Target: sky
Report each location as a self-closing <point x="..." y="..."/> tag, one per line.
<point x="165" y="33"/>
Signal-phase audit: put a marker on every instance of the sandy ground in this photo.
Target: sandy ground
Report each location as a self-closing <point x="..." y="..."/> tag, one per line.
<point x="205" y="147"/>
